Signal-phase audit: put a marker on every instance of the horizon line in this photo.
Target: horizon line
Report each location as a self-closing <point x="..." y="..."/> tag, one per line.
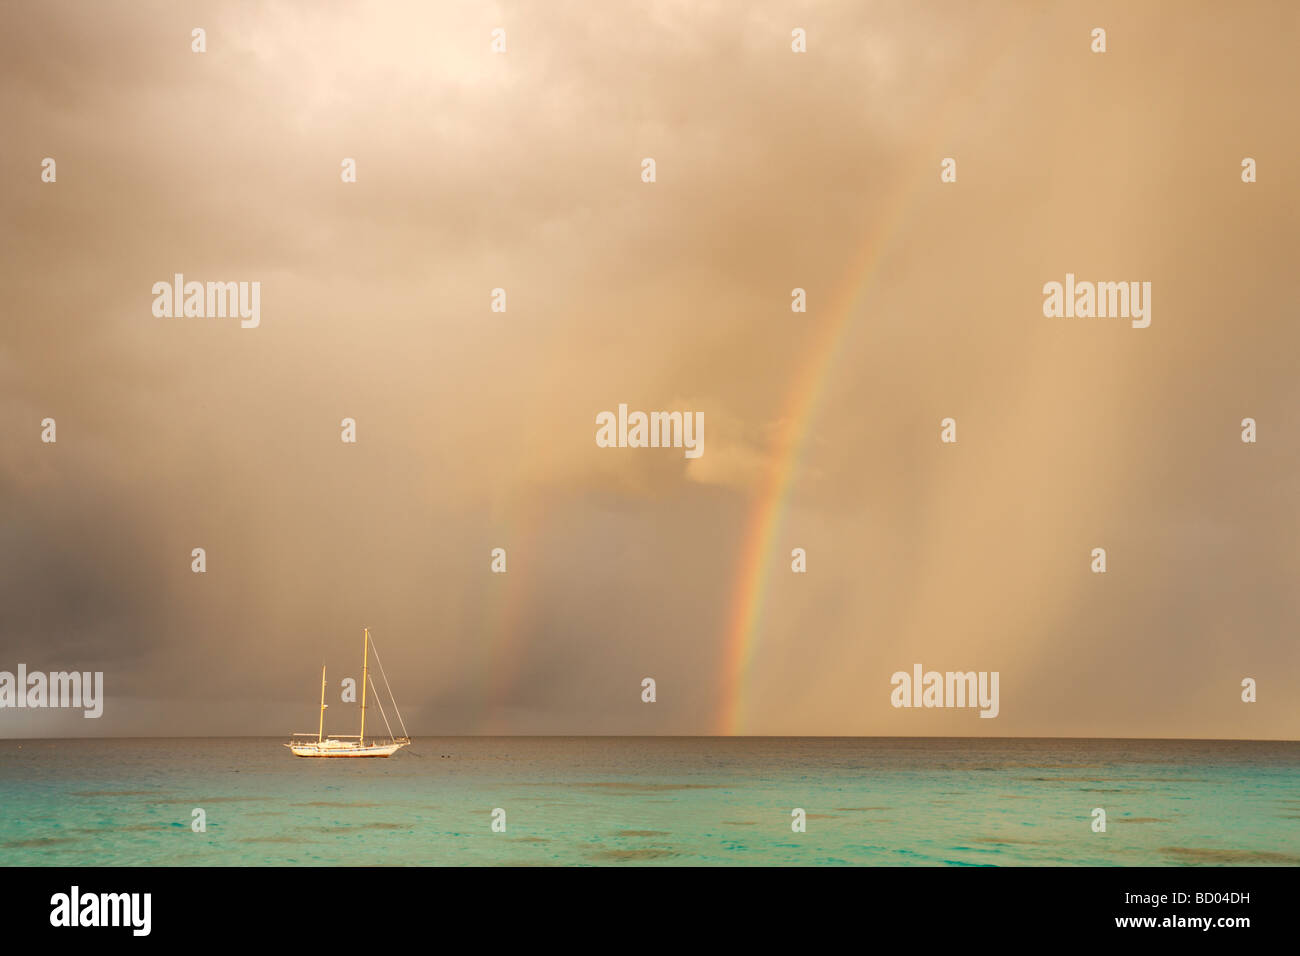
<point x="1280" y="740"/>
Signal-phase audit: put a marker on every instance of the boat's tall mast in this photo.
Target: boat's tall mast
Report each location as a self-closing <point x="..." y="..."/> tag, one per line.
<point x="320" y="733"/>
<point x="365" y="660"/>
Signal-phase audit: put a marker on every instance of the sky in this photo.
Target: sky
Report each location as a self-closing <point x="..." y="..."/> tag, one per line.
<point x="775" y="170"/>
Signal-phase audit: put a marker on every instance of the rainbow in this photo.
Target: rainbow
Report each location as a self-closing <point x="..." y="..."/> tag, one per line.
<point x="767" y="516"/>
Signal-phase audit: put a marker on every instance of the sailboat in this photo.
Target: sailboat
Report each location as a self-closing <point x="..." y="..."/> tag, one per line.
<point x="346" y="745"/>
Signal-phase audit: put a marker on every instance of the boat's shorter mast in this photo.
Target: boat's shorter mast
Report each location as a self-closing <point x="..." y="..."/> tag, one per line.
<point x="365" y="661"/>
<point x="320" y="733"/>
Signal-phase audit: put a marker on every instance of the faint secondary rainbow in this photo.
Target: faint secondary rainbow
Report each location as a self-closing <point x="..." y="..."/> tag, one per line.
<point x="506" y="627"/>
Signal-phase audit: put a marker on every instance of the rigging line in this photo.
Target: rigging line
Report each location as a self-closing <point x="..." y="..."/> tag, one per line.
<point x="381" y="707"/>
<point x="383" y="673"/>
<point x="391" y="695"/>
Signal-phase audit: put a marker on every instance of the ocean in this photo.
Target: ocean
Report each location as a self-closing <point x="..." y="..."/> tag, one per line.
<point x="653" y="801"/>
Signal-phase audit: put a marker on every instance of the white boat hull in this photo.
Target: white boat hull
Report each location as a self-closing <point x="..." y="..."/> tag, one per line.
<point x="307" y="745"/>
<point x="344" y="748"/>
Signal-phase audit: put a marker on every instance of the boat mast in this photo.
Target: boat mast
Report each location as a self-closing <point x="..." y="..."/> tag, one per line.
<point x="365" y="660"/>
<point x="320" y="733"/>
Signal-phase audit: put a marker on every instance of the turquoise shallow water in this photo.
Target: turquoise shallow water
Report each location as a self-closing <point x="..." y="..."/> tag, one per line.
<point x="692" y="801"/>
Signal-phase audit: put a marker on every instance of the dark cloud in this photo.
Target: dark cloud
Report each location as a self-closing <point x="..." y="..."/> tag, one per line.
<point x="476" y="428"/>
